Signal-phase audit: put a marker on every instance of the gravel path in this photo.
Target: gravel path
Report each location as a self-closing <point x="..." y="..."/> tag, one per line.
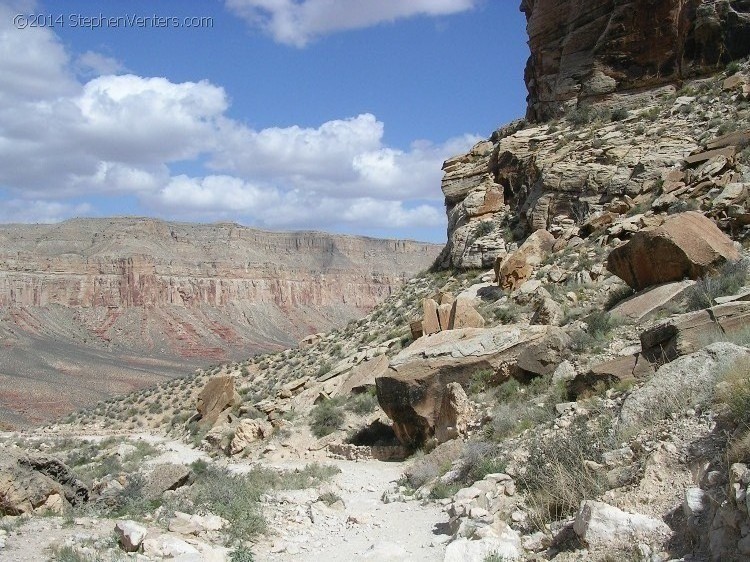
<point x="364" y="528"/>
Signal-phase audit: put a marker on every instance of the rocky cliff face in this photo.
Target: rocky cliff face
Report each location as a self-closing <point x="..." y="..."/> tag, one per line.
<point x="589" y="48"/>
<point x="144" y="279"/>
<point x="616" y="139"/>
<point x="89" y="308"/>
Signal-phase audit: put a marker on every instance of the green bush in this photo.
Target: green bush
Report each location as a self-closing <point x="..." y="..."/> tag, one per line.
<point x="441" y="490"/>
<point x="732" y="68"/>
<point x="728" y="279"/>
<point x="327" y="417"/>
<point x="556" y="477"/>
<point x="242" y="554"/>
<point x="363" y="403"/>
<point x="619" y="114"/>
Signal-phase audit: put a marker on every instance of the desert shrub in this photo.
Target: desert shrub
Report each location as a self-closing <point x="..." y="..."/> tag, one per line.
<point x="556" y="477"/>
<point x="484" y="228"/>
<point x="241" y="554"/>
<point x="326" y="417"/>
<point x="733" y="398"/>
<point x="482" y="381"/>
<point x="427" y="467"/>
<point x="329" y="498"/>
<point x="478" y="459"/>
<point x="732" y="68"/>
<point x="235" y="498"/>
<point x="442" y="490"/>
<point x="363" y="403"/>
<point x="619" y="114"/>
<point x="581" y="115"/>
<point x="728" y="279"/>
<point x="507" y="314"/>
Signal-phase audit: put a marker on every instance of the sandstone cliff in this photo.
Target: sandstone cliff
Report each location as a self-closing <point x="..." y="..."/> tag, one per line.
<point x="588" y="48"/>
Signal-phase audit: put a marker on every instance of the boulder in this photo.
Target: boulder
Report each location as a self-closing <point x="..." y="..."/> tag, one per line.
<point x="218" y="395"/>
<point x="683" y="382"/>
<point x="518" y="267"/>
<point x="417" y="330"/>
<point x="430" y="321"/>
<point x="687" y="245"/>
<point x="686" y="333"/>
<point x="464" y="315"/>
<point x="248" y="432"/>
<point x="505" y="545"/>
<point x="645" y="304"/>
<point x="130" y="535"/>
<point x="362" y="377"/>
<point x="187" y="524"/>
<point x="454" y="415"/>
<point x="165" y="477"/>
<point x="542" y="357"/>
<point x="38" y="482"/>
<point x="444" y="315"/>
<point x="168" y="546"/>
<point x="411" y="392"/>
<point x="548" y="313"/>
<point x="601" y="525"/>
<point x="629" y="368"/>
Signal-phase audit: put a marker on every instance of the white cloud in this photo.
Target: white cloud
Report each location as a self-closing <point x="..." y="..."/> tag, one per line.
<point x="297" y="22"/>
<point x="91" y="63"/>
<point x="62" y="139"/>
<point x="36" y="211"/>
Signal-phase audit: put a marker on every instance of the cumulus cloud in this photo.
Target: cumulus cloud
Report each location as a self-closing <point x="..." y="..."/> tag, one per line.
<point x="64" y="139"/>
<point x="36" y="211"/>
<point x="297" y="22"/>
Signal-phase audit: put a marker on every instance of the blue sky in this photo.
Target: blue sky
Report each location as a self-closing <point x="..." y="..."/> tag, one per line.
<point x="282" y="114"/>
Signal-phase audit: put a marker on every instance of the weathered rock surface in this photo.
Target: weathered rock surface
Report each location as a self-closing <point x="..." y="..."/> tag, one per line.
<point x="518" y="267"/>
<point x="583" y="50"/>
<point x="362" y="377"/>
<point x="248" y="432"/>
<point x="686" y="333"/>
<point x="130" y="535"/>
<point x="411" y="392"/>
<point x="687" y="245"/>
<point x="601" y="525"/>
<point x="684" y="382"/>
<point x="165" y="477"/>
<point x="454" y="415"/>
<point x="627" y="369"/>
<point x="29" y="483"/>
<point x="218" y="395"/>
<point x="644" y="305"/>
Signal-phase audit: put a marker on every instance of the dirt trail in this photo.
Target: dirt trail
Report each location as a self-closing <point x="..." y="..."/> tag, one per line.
<point x="365" y="528"/>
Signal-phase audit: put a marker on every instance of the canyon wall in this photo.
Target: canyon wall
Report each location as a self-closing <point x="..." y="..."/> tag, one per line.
<point x="584" y="49"/>
<point x="193" y="289"/>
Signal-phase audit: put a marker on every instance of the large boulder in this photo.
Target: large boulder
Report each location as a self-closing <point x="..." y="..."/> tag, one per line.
<point x="130" y="535"/>
<point x="218" y="395"/>
<point x="687" y="245"/>
<point x="454" y="415"/>
<point x="542" y="357"/>
<point x="411" y="392"/>
<point x="362" y="377"/>
<point x="248" y="432"/>
<point x="686" y="333"/>
<point x="163" y="477"/>
<point x="464" y="315"/>
<point x="516" y="268"/>
<point x="647" y="303"/>
<point x="622" y="370"/>
<point x="601" y="525"/>
<point x="430" y="321"/>
<point x="37" y="483"/>
<point x="681" y="384"/>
